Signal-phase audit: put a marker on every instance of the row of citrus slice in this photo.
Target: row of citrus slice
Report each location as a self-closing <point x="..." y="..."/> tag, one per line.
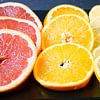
<point x="66" y="62"/>
<point x="20" y="42"/>
<point x="95" y="23"/>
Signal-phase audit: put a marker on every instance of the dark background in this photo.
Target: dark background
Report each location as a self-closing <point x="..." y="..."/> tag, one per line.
<point x="30" y="89"/>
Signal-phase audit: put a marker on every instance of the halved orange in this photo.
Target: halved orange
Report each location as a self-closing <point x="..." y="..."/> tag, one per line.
<point x="65" y="9"/>
<point x="65" y="66"/>
<point x="67" y="28"/>
<point x="17" y="58"/>
<point x="18" y="10"/>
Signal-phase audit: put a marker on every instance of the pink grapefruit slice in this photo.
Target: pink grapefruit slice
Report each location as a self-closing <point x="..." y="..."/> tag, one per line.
<point x="17" y="57"/>
<point x="23" y="26"/>
<point x="18" y="10"/>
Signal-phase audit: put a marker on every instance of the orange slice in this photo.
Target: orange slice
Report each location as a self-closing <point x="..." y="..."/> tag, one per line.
<point x="67" y="28"/>
<point x="65" y="66"/>
<point x="24" y="26"/>
<point x="65" y="9"/>
<point x="17" y="57"/>
<point x="18" y="10"/>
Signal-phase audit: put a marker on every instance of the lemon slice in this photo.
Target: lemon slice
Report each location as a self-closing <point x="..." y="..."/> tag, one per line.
<point x="97" y="68"/>
<point x="94" y="12"/>
<point x="96" y="52"/>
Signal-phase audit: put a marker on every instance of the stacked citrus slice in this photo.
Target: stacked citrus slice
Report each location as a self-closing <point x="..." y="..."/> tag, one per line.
<point x="66" y="62"/>
<point x="20" y="42"/>
<point x="94" y="16"/>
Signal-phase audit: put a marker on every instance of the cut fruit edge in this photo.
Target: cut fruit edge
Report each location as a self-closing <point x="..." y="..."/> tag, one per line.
<point x="49" y="14"/>
<point x="27" y="9"/>
<point x="49" y="84"/>
<point x="90" y="28"/>
<point x="96" y="69"/>
<point x="38" y="34"/>
<point x="31" y="61"/>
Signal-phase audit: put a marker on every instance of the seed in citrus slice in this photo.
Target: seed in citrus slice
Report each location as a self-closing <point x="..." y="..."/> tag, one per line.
<point x="18" y="10"/>
<point x="97" y="68"/>
<point x="96" y="52"/>
<point x="23" y="26"/>
<point x="94" y="12"/>
<point x="68" y="28"/>
<point x="64" y="66"/>
<point x="17" y="57"/>
<point x="95" y="23"/>
<point x="65" y="9"/>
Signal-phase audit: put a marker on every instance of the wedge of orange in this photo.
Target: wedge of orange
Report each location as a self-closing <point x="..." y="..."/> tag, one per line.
<point x="65" y="9"/>
<point x="65" y="66"/>
<point x="67" y="28"/>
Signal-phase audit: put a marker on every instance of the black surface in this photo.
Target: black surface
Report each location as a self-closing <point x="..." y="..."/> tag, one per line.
<point x="31" y="90"/>
<point x="47" y="4"/>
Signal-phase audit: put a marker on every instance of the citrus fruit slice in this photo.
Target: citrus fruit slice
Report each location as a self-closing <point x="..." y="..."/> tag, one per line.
<point x="64" y="66"/>
<point x="94" y="12"/>
<point x="97" y="68"/>
<point x="95" y="23"/>
<point x="17" y="57"/>
<point x="65" y="9"/>
<point x="96" y="52"/>
<point x="18" y="10"/>
<point x="67" y="28"/>
<point x="23" y="26"/>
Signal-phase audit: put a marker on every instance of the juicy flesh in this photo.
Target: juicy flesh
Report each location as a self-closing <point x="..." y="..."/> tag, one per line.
<point x="62" y="65"/>
<point x="16" y="12"/>
<point x="19" y="26"/>
<point x="14" y="53"/>
<point x="67" y="29"/>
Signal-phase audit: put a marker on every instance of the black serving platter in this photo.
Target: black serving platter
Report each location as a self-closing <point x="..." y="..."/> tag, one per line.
<point x="30" y="89"/>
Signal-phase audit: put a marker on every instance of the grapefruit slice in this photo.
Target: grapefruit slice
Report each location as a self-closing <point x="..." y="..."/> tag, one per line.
<point x="65" y="66"/>
<point x="18" y="10"/>
<point x="65" y="9"/>
<point x="23" y="26"/>
<point x="17" y="57"/>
